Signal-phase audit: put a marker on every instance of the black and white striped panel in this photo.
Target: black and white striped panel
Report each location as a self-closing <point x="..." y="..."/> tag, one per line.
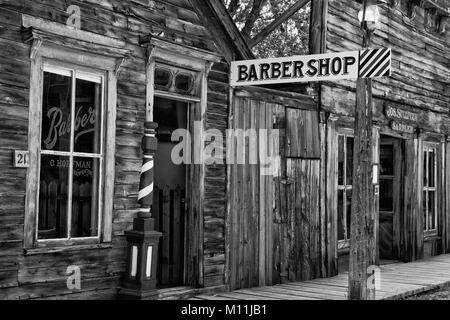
<point x="375" y="63"/>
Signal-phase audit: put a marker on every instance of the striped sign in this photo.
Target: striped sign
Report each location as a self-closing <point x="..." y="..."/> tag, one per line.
<point x="369" y="63"/>
<point x="375" y="63"/>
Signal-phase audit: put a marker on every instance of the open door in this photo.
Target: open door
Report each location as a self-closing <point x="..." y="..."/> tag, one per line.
<point x="391" y="166"/>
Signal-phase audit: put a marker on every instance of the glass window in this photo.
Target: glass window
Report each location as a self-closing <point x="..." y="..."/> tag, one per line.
<point x="174" y="79"/>
<point x="71" y="154"/>
<point x="184" y="83"/>
<point x="430" y="212"/>
<point x="345" y="182"/>
<point x="163" y="78"/>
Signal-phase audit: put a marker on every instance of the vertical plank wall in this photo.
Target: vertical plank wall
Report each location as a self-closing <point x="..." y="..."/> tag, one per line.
<point x="250" y="201"/>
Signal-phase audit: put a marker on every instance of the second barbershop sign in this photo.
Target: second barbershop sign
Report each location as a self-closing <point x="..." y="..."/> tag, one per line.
<point x="368" y="63"/>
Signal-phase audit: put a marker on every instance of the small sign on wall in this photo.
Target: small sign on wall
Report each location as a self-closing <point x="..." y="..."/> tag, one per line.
<point x="21" y="159"/>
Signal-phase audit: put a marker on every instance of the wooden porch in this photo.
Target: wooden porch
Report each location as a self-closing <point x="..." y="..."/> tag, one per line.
<point x="398" y="280"/>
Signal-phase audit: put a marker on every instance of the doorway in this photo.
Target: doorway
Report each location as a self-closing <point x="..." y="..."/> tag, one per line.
<point x="391" y="167"/>
<point x="170" y="193"/>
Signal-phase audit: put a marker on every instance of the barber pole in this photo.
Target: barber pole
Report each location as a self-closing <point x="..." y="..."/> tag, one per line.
<point x="149" y="147"/>
<point x="143" y="239"/>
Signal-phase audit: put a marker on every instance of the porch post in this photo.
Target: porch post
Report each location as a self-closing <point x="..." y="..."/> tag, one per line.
<point x="140" y="277"/>
<point x="362" y="224"/>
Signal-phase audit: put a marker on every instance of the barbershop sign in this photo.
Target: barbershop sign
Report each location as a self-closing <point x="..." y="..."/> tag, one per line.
<point x="368" y="63"/>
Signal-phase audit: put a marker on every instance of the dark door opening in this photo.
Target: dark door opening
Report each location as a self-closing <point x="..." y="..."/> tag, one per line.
<point x="390" y="197"/>
<point x="169" y="192"/>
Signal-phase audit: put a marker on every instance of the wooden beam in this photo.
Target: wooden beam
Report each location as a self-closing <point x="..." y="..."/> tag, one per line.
<point x="277" y="22"/>
<point x="221" y="13"/>
<point x="318" y="27"/>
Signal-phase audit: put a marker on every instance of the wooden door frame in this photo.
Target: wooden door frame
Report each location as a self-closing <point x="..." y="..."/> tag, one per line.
<point x="162" y="51"/>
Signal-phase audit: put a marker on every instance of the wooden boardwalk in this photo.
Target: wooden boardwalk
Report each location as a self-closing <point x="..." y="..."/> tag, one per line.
<point x="398" y="280"/>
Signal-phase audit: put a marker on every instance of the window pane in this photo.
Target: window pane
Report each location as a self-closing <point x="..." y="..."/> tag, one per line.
<point x="88" y="116"/>
<point x="425" y="172"/>
<point x="85" y="197"/>
<point x="56" y="111"/>
<point x="431" y="167"/>
<point x="183" y="83"/>
<point x="349" y="171"/>
<point x="341" y="222"/>
<point x="424" y="209"/>
<point x="53" y="197"/>
<point x="431" y="211"/>
<point x="341" y="162"/>
<point x="162" y="78"/>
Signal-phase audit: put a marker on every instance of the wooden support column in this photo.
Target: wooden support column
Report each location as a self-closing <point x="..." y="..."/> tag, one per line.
<point x="418" y="208"/>
<point x="323" y="202"/>
<point x="446" y="230"/>
<point x="361" y="227"/>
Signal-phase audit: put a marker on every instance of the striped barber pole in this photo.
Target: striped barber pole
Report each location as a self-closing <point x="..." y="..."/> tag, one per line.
<point x="375" y="63"/>
<point x="149" y="146"/>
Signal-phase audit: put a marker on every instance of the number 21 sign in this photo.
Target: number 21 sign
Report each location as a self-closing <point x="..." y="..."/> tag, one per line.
<point x="21" y="159"/>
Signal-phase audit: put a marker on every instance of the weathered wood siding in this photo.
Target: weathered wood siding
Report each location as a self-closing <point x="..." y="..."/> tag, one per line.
<point x="303" y="219"/>
<point x="216" y="181"/>
<point x="43" y="275"/>
<point x="250" y="199"/>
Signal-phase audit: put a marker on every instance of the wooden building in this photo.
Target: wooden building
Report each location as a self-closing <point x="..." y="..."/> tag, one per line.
<point x="411" y="129"/>
<point x="79" y="78"/>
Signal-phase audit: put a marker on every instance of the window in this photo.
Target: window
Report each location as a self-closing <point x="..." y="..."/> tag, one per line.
<point x="71" y="153"/>
<point x="345" y="182"/>
<point x="71" y="140"/>
<point x="430" y="212"/>
<point x="176" y="79"/>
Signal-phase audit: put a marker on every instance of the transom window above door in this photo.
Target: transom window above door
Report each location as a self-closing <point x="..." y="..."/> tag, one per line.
<point x="177" y="80"/>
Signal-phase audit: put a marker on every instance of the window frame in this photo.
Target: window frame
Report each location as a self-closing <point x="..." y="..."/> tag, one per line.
<point x="429" y="147"/>
<point x="51" y="41"/>
<point x="343" y="243"/>
<point x="53" y="67"/>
